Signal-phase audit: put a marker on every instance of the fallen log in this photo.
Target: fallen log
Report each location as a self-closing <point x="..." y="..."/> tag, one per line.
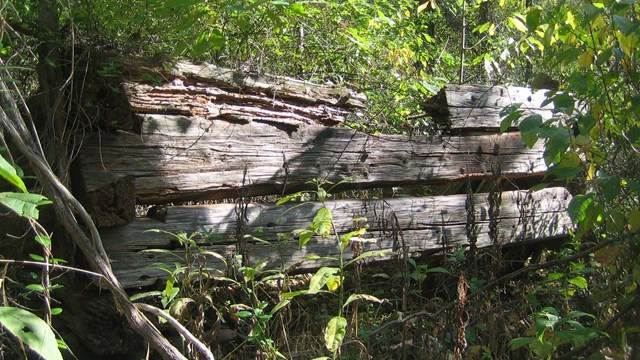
<point x="422" y="224"/>
<point x="215" y="93"/>
<point x="461" y="108"/>
<point x="176" y="158"/>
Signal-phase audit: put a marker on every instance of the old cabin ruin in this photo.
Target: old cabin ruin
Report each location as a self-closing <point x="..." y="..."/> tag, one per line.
<point x="198" y="132"/>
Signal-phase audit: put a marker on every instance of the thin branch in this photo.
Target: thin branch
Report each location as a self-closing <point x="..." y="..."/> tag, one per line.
<point x="181" y="329"/>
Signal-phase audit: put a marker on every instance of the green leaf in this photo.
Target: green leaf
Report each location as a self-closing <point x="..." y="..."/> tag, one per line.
<point x="35" y="287"/>
<point x="304" y="236"/>
<point x="32" y="331"/>
<point x="23" y="204"/>
<point x="520" y="342"/>
<point x="344" y="239"/>
<point x="364" y="297"/>
<point x="334" y="333"/>
<point x="319" y="279"/>
<point x="564" y="103"/>
<point x="529" y="129"/>
<point x="56" y="311"/>
<point x="43" y="240"/>
<point x="518" y="24"/>
<point x="8" y="172"/>
<point x="322" y="222"/>
<point x="289" y="197"/>
<point x="244" y="314"/>
<point x="508" y="120"/>
<point x="533" y="19"/>
<point x="579" y="281"/>
<point x="578" y="207"/>
<point x="556" y="147"/>
<point x="625" y="25"/>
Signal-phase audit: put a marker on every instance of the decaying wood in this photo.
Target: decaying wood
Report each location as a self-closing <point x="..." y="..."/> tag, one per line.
<point x="473" y="107"/>
<point x="215" y="93"/>
<point x="179" y="158"/>
<point x="423" y="224"/>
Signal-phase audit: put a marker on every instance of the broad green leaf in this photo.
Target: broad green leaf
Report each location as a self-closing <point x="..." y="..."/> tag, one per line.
<point x="334" y="333"/>
<point x="517" y="22"/>
<point x="578" y="207"/>
<point x="364" y="297"/>
<point x="289" y="197"/>
<point x="564" y="103"/>
<point x="319" y="279"/>
<point x="529" y="129"/>
<point x="579" y="281"/>
<point x="32" y="331"/>
<point x="322" y="222"/>
<point x="344" y="239"/>
<point x="634" y="219"/>
<point x="333" y="283"/>
<point x="8" y="172"/>
<point x="533" y="19"/>
<point x="56" y="311"/>
<point x="556" y="147"/>
<point x="322" y="194"/>
<point x="625" y="25"/>
<point x="304" y="236"/>
<point x="509" y="115"/>
<point x="25" y="205"/>
<point x="244" y="314"/>
<point x="35" y="287"/>
<point x="520" y="342"/>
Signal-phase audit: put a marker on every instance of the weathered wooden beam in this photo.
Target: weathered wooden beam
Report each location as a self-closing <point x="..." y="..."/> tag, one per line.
<point x="215" y="93"/>
<point x="278" y="87"/>
<point x="178" y="158"/>
<point x="423" y="224"/>
<point x="473" y="107"/>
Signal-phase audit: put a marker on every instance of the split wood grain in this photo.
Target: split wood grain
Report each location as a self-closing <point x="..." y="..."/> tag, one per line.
<point x="421" y="223"/>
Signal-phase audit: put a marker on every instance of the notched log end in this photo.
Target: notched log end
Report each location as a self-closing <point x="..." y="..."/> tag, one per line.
<point x="438" y="108"/>
<point x="110" y="205"/>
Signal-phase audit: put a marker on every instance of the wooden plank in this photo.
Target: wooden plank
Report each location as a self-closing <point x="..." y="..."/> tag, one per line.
<point x="179" y="158"/>
<point x="426" y="223"/>
<point x="472" y="107"/>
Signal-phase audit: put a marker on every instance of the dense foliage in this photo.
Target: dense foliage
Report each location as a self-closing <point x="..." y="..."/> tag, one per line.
<point x="582" y="302"/>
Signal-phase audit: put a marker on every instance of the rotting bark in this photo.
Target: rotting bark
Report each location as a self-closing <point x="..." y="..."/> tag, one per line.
<point x="427" y="224"/>
<point x="215" y="93"/>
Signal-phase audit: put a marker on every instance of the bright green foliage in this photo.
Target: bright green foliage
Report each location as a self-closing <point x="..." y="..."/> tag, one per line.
<point x="31" y="330"/>
<point x="334" y="333"/>
<point x="8" y="172"/>
<point x="24" y="203"/>
<point x="553" y="330"/>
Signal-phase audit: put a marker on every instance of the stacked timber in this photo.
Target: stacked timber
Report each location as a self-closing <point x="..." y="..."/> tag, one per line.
<point x="462" y="108"/>
<point x="210" y="133"/>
